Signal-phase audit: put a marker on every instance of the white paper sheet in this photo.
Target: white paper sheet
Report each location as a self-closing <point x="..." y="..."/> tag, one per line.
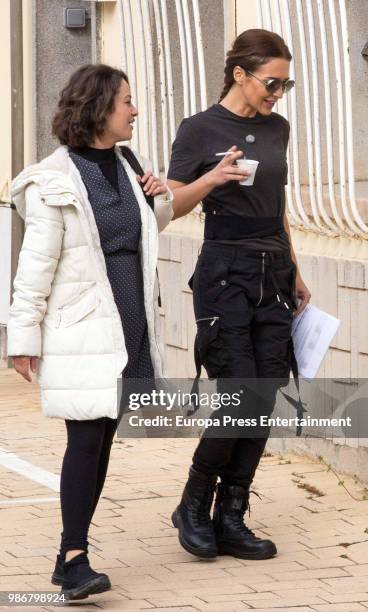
<point x="312" y="332"/>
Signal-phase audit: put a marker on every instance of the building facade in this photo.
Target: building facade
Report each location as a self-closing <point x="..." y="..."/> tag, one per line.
<point x="173" y="52"/>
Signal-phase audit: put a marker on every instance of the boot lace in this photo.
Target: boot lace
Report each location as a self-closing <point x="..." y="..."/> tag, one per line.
<point x="200" y="511"/>
<point x="239" y="522"/>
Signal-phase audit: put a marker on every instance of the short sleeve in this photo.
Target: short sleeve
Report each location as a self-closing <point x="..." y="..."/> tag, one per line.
<point x="286" y="134"/>
<point x="285" y="137"/>
<point x="185" y="160"/>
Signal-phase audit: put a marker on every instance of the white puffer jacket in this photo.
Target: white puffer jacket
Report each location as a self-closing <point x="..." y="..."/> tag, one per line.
<point x="63" y="309"/>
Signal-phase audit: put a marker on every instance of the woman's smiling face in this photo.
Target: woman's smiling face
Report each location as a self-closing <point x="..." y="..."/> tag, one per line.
<point x="254" y="92"/>
<point x="119" y="124"/>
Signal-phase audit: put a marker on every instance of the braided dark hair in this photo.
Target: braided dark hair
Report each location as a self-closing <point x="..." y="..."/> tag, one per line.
<point x="252" y="49"/>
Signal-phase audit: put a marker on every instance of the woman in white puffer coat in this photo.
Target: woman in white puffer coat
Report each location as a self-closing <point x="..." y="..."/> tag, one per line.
<point x="84" y="311"/>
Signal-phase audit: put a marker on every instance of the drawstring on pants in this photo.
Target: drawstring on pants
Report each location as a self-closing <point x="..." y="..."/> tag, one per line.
<point x="267" y="261"/>
<point x="279" y="295"/>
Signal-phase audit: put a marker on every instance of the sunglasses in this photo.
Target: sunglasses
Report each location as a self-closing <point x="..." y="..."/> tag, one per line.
<point x="273" y="85"/>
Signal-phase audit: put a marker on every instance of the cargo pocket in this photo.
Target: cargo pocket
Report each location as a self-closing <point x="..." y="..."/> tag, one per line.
<point x="210" y="346"/>
<point x="215" y="282"/>
<point x="211" y="280"/>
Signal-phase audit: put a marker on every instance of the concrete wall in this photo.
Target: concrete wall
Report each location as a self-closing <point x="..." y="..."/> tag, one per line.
<point x="357" y="14"/>
<point x="58" y="52"/>
<point x="5" y="98"/>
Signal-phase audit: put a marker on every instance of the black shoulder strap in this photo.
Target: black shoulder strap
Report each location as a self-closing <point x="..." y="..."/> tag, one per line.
<point x="134" y="163"/>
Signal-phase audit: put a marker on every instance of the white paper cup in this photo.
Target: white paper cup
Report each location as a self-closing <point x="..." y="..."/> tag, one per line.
<point x="250" y="165"/>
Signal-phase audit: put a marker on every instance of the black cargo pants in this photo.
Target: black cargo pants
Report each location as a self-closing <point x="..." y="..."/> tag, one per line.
<point x="243" y="304"/>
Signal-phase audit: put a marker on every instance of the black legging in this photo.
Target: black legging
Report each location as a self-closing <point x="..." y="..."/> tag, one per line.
<point x="82" y="477"/>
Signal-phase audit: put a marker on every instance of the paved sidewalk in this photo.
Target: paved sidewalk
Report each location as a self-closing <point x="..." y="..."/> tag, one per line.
<point x="321" y="532"/>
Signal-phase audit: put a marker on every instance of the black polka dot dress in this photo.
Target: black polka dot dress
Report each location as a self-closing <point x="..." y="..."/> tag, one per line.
<point x="118" y="220"/>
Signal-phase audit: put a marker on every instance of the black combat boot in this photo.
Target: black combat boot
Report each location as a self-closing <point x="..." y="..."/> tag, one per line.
<point x="192" y="516"/>
<point x="232" y="535"/>
<point x="80" y="580"/>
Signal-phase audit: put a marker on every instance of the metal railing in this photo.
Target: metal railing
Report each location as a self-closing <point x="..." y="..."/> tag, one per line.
<point x="321" y="188"/>
<point x="324" y="60"/>
<point x="144" y="27"/>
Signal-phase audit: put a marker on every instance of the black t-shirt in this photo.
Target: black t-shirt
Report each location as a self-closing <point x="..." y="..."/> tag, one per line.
<point x="203" y="135"/>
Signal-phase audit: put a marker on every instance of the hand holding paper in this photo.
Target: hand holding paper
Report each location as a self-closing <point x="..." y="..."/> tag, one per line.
<point x="312" y="333"/>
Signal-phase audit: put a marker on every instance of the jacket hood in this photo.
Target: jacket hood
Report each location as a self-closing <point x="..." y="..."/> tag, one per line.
<point x="52" y="175"/>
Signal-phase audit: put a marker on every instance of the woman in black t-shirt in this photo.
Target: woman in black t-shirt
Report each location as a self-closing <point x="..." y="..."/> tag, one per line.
<point x="245" y="284"/>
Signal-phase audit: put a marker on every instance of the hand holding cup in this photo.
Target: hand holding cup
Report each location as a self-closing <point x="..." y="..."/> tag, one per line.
<point x="251" y="166"/>
<point x="226" y="170"/>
